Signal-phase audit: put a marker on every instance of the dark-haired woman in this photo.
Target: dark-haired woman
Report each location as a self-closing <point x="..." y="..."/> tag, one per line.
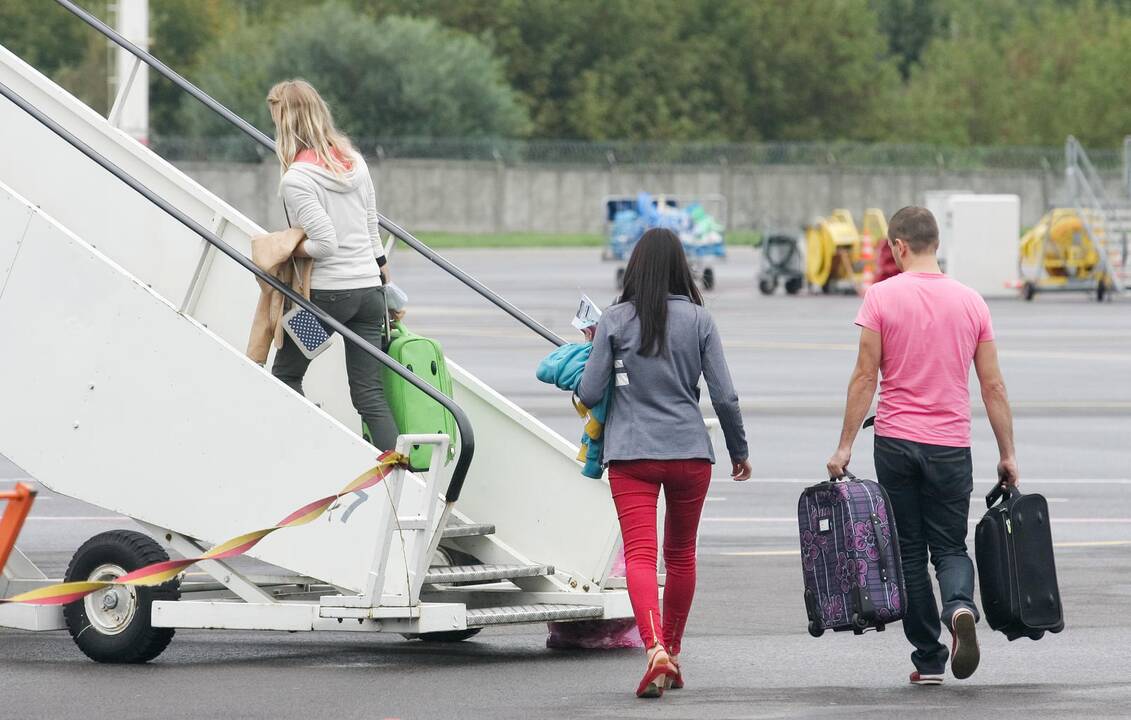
<point x="653" y="345"/>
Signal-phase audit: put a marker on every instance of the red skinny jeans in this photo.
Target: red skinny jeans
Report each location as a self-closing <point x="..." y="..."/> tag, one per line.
<point x="636" y="487"/>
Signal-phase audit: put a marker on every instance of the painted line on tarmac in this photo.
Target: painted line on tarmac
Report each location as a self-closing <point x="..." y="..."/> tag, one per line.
<point x="79" y="518"/>
<point x="794" y="553"/>
<point x="1046" y="481"/>
<point x="827" y="346"/>
<point x="1065" y="355"/>
<point x="972" y="520"/>
<point x="786" y="345"/>
<point x="761" y="553"/>
<point x="1093" y="543"/>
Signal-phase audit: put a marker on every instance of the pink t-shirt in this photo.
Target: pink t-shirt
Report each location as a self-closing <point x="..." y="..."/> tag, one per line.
<point x="930" y="326"/>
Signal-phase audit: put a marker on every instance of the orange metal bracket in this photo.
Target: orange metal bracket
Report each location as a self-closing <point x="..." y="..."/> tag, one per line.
<point x="19" y="505"/>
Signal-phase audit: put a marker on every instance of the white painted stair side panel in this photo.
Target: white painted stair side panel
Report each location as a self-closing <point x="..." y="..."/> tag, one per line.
<point x="113" y="397"/>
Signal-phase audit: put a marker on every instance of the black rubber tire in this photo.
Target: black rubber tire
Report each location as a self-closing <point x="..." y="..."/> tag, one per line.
<point x="859" y="622"/>
<point x="1028" y="291"/>
<point x="449" y="636"/>
<point x="815" y="630"/>
<point x="1101" y="290"/>
<point x="139" y="642"/>
<point x="767" y="286"/>
<point x="620" y="278"/>
<point x="794" y="285"/>
<point x="708" y="279"/>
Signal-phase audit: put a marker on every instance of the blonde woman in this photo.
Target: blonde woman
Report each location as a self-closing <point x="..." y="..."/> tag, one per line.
<point x="328" y="192"/>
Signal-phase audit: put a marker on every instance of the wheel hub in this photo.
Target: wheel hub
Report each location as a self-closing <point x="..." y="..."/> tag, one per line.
<point x="110" y="611"/>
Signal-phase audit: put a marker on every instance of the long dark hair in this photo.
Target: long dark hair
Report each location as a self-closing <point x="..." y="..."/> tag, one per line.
<point x="657" y="268"/>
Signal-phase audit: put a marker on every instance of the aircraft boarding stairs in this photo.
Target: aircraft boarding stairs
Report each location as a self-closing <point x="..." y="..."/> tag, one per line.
<point x="125" y="385"/>
<point x="1106" y="216"/>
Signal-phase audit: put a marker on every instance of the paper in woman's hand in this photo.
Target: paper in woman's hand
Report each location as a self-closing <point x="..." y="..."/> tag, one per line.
<point x="588" y="314"/>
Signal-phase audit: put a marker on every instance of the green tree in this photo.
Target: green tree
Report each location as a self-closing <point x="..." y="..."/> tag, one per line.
<point x="1028" y="74"/>
<point x="43" y="34"/>
<point x="687" y="69"/>
<point x="59" y="45"/>
<point x="910" y="25"/>
<point x="816" y="69"/>
<point x="399" y="76"/>
<point x="180" y="30"/>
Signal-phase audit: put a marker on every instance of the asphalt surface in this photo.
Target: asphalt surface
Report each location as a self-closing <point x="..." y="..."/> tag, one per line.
<point x="1068" y="366"/>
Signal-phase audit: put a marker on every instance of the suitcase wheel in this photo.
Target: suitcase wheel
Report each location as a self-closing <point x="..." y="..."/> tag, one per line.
<point x="859" y="624"/>
<point x="815" y="629"/>
<point x="880" y="627"/>
<point x="1037" y="635"/>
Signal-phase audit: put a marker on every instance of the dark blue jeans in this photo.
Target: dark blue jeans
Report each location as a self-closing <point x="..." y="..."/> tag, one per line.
<point x="929" y="487"/>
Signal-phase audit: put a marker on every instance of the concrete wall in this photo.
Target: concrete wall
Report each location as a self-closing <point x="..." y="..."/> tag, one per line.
<point x="487" y="197"/>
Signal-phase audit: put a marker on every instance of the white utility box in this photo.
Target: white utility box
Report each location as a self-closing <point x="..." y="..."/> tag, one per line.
<point x="938" y="202"/>
<point x="979" y="238"/>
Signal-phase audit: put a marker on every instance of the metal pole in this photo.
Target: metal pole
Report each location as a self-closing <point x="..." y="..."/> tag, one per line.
<point x="467" y="438"/>
<point x="255" y="134"/>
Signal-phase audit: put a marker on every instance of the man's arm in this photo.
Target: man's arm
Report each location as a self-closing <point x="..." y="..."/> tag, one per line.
<point x="861" y="390"/>
<point x="997" y="409"/>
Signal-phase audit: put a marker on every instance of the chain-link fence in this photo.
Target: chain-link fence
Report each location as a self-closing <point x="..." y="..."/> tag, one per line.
<point x="611" y="153"/>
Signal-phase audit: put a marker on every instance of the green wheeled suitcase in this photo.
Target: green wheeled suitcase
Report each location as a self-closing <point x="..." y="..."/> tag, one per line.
<point x="413" y="411"/>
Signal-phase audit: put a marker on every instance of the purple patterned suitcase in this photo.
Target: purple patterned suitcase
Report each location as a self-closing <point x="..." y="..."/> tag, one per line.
<point x="849" y="557"/>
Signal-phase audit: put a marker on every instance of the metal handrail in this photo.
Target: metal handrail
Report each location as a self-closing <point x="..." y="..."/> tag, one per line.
<point x="258" y="136"/>
<point x="466" y="435"/>
<point x="1080" y="173"/>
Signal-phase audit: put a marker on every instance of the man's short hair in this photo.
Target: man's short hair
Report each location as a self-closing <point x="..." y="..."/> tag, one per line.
<point x="917" y="227"/>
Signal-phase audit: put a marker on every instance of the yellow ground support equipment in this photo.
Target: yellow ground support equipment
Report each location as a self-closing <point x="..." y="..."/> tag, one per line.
<point x="1058" y="254"/>
<point x="836" y="257"/>
<point x="875" y="225"/>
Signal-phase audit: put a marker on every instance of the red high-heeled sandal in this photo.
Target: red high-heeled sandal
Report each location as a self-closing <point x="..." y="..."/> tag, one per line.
<point x="675" y="682"/>
<point x="656" y="678"/>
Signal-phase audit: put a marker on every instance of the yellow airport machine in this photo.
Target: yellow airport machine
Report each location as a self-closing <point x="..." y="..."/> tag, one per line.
<point x="839" y="256"/>
<point x="1058" y="254"/>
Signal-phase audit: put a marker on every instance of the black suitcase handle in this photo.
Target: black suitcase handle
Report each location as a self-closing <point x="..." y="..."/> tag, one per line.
<point x="1002" y="492"/>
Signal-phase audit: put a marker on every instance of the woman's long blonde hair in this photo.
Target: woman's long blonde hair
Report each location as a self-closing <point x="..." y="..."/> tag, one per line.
<point x="302" y="122"/>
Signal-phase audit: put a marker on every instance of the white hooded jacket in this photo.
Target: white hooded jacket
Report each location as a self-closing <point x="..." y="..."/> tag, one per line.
<point x="339" y="216"/>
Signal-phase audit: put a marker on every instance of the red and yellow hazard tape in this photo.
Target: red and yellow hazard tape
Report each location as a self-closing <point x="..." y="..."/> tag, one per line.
<point x="162" y="572"/>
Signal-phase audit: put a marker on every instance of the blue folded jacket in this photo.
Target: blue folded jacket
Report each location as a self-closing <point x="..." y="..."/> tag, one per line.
<point x="563" y="368"/>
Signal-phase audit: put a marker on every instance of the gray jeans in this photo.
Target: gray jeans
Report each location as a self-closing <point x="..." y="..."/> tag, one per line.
<point x="362" y="311"/>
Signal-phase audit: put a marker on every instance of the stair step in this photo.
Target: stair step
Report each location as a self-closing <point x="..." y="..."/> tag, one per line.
<point x="483" y="573"/>
<point x="481" y="617"/>
<point x="470" y="530"/>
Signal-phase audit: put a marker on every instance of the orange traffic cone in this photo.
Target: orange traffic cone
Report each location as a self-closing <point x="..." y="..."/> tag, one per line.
<point x="867" y="274"/>
<point x="19" y="505"/>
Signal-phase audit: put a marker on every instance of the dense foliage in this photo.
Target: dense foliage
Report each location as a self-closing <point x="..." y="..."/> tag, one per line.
<point x="986" y="72"/>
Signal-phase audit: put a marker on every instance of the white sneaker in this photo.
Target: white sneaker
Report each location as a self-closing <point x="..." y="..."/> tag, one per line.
<point x="918" y="678"/>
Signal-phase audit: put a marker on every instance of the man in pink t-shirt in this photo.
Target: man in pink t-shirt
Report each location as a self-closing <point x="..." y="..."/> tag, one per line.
<point x="920" y="331"/>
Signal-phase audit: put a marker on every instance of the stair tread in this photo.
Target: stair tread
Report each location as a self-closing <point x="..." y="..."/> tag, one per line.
<point x="480" y="573"/>
<point x="509" y="615"/>
<point x="459" y="530"/>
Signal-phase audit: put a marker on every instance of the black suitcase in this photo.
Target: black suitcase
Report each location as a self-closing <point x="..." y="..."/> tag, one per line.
<point x="1016" y="570"/>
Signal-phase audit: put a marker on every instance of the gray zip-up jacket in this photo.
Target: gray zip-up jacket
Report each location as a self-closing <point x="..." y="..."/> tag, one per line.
<point x="654" y="414"/>
<point x="339" y="215"/>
